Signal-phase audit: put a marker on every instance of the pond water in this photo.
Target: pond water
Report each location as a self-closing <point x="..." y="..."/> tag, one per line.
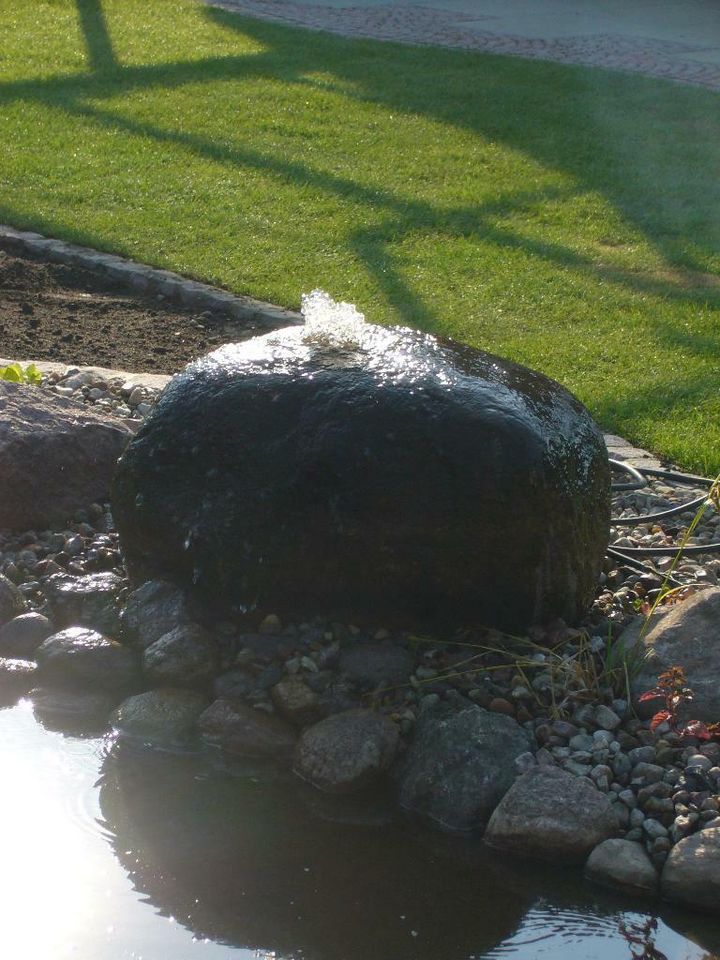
<point x="118" y="852"/>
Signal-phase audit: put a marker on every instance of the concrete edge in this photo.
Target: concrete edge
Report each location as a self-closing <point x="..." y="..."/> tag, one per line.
<point x="143" y="279"/>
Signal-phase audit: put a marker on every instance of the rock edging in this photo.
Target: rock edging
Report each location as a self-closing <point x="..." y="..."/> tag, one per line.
<point x="146" y="279"/>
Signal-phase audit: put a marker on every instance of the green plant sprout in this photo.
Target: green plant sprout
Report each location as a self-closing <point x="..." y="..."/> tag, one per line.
<point x="14" y="373"/>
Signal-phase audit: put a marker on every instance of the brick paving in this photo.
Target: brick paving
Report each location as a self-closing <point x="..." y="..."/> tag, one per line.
<point x="427" y="25"/>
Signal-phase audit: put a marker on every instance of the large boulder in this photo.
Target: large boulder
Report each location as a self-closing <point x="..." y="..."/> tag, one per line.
<point x="459" y="765"/>
<point x="382" y="475"/>
<point x="57" y="456"/>
<point x="687" y="636"/>
<point x="691" y="874"/>
<point x="551" y="815"/>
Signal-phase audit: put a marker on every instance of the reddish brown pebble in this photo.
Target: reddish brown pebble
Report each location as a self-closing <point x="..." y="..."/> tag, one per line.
<point x="499" y="705"/>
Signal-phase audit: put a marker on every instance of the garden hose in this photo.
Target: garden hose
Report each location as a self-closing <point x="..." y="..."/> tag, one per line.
<point x="642" y="567"/>
<point x="630" y="555"/>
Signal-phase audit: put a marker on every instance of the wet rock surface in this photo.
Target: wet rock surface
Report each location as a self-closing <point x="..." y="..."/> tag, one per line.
<point x="393" y="476"/>
<point x="238" y="728"/>
<point x="154" y="609"/>
<point x="346" y="752"/>
<point x="82" y="658"/>
<point x="160" y="716"/>
<point x="88" y="601"/>
<point x="186" y="656"/>
<point x="57" y="456"/>
<point x="16" y="676"/>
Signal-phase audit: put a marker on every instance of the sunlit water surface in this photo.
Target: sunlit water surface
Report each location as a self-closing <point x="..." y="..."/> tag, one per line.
<point x="112" y="852"/>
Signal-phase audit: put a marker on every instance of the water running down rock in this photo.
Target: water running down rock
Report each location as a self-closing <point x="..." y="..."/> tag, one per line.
<point x="351" y="470"/>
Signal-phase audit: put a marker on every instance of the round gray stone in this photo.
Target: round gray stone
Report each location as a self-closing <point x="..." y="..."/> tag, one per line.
<point x="160" y="715"/>
<point x="551" y="815"/>
<point x="239" y="728"/>
<point x="21" y="636"/>
<point x="186" y="656"/>
<point x="82" y="658"/>
<point x="347" y="751"/>
<point x="691" y="875"/>
<point x="622" y="865"/>
<point x="459" y="765"/>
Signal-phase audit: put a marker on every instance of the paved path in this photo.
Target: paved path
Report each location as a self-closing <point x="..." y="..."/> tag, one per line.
<point x="675" y="39"/>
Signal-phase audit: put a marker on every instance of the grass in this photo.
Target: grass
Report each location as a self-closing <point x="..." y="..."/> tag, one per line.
<point x="561" y="216"/>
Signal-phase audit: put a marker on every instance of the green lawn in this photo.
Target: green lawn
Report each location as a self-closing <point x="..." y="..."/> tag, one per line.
<point x="565" y="217"/>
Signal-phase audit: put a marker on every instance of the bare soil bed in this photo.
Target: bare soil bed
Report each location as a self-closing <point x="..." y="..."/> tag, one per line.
<point x="53" y="311"/>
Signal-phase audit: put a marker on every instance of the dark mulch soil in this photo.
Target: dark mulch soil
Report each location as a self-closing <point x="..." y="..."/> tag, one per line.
<point x="50" y="311"/>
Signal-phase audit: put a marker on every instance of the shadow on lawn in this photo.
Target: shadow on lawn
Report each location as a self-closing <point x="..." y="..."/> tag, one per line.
<point x="96" y="35"/>
<point x="603" y="131"/>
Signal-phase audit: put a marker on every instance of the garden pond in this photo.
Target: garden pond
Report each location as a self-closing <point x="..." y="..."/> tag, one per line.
<point x="113" y="851"/>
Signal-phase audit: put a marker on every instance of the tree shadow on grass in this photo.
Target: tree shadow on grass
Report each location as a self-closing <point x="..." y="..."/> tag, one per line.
<point x="96" y="35"/>
<point x="600" y="128"/>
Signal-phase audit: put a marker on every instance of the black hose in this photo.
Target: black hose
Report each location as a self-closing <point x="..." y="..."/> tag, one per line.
<point x="629" y="555"/>
<point x="671" y="551"/>
<point x="639" y="565"/>
<point x="660" y="515"/>
<point x="686" y="478"/>
<point x="642" y="472"/>
<point x="637" y="484"/>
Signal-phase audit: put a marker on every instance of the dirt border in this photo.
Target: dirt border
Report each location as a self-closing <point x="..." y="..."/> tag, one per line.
<point x="144" y="279"/>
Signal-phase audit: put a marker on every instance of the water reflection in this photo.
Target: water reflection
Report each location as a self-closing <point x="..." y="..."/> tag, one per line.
<point x="259" y="860"/>
<point x="238" y="858"/>
<point x="115" y="853"/>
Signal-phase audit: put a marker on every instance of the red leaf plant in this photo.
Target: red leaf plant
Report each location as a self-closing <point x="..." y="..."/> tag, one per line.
<point x="672" y="687"/>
